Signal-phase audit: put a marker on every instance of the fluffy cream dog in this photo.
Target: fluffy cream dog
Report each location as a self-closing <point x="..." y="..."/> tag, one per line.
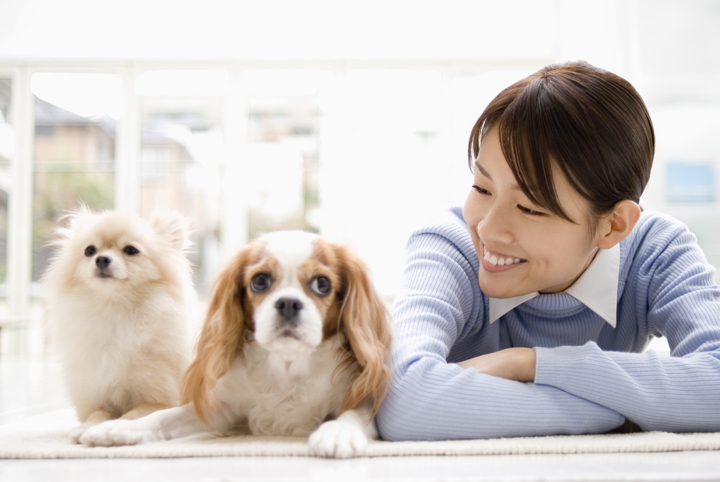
<point x="118" y="298"/>
<point x="296" y="342"/>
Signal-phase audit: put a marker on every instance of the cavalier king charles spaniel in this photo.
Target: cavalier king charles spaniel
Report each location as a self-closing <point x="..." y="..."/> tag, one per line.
<point x="296" y="341"/>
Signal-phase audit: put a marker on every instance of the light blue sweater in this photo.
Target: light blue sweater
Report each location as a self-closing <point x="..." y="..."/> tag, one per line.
<point x="590" y="376"/>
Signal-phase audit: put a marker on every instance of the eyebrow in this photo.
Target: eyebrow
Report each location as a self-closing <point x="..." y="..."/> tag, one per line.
<point x="482" y="170"/>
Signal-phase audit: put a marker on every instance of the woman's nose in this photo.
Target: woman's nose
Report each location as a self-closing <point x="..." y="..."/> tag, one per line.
<point x="496" y="227"/>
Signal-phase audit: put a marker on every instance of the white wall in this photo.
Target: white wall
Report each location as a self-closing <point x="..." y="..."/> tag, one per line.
<point x="275" y="29"/>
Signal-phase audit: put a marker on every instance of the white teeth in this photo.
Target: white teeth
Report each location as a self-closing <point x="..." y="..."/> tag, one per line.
<point x="495" y="261"/>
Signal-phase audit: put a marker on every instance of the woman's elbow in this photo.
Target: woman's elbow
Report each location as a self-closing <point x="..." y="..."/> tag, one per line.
<point x="395" y="421"/>
<point x="390" y="426"/>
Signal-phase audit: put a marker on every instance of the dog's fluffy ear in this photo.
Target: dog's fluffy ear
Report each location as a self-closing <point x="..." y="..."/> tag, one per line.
<point x="365" y="322"/>
<point x="70" y="223"/>
<point x="221" y="337"/>
<point x="172" y="227"/>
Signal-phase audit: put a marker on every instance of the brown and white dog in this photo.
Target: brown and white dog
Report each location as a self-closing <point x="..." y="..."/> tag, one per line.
<point x="296" y="342"/>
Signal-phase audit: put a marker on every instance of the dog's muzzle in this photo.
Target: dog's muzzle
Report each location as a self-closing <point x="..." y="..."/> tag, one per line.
<point x="286" y="319"/>
<point x="289" y="311"/>
<point x="289" y="317"/>
<point x="103" y="266"/>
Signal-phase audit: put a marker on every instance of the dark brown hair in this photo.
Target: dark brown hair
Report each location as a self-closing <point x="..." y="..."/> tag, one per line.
<point x="591" y="123"/>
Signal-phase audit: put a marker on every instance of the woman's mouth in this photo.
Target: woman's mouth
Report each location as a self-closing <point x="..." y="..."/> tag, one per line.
<point x="493" y="261"/>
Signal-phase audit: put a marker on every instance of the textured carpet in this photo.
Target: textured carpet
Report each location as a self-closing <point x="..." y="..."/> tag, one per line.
<point x="45" y="436"/>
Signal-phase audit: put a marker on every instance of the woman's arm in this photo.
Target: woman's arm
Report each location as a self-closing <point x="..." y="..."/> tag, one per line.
<point x="431" y="399"/>
<point x="672" y="291"/>
<point x="511" y="363"/>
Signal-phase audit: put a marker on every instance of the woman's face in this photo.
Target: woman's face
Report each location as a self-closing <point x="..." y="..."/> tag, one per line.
<point x="522" y="247"/>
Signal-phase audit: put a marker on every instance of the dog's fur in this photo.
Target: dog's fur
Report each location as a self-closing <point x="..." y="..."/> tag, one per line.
<point x="296" y="341"/>
<point x="118" y="298"/>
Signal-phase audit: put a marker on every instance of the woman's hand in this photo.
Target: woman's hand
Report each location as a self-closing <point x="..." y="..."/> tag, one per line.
<point x="512" y="363"/>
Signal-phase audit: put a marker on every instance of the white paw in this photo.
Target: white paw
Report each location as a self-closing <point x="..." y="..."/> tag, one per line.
<point x="118" y="432"/>
<point x="338" y="439"/>
<point x="78" y="431"/>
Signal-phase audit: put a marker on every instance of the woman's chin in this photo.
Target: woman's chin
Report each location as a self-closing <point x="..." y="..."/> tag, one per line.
<point x="496" y="286"/>
<point x="498" y="290"/>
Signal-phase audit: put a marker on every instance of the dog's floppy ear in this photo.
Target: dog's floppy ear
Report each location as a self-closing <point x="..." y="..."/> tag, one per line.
<point x="172" y="227"/>
<point x="365" y="322"/>
<point x="221" y="337"/>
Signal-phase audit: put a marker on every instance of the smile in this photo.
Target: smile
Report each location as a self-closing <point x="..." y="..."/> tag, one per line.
<point x="500" y="260"/>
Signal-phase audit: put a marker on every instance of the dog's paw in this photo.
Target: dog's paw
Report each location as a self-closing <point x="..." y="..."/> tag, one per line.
<point x="117" y="432"/>
<point x="338" y="439"/>
<point x="77" y="432"/>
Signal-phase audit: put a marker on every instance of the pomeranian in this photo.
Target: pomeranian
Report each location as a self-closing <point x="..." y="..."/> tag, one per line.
<point x="118" y="300"/>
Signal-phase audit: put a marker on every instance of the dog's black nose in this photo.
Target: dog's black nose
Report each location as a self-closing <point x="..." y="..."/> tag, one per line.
<point x="103" y="261"/>
<point x="288" y="307"/>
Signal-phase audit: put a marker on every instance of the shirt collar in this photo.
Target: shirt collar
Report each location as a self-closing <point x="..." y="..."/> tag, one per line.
<point x="596" y="288"/>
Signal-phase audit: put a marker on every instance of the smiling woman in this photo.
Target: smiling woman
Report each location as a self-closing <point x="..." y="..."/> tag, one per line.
<point x="529" y="312"/>
<point x="506" y="224"/>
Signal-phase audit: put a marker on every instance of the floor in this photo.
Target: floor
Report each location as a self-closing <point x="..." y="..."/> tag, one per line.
<point x="31" y="385"/>
<point x="656" y="467"/>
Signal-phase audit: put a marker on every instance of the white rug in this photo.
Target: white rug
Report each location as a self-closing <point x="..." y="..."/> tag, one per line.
<point x="45" y="437"/>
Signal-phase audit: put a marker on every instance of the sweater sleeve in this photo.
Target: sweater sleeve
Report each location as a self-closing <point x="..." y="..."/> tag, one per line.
<point x="675" y="294"/>
<point x="431" y="399"/>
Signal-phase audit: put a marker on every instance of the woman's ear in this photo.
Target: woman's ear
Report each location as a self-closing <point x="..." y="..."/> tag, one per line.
<point x="618" y="225"/>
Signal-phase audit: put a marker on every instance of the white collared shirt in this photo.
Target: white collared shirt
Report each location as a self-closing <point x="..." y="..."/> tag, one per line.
<point x="596" y="288"/>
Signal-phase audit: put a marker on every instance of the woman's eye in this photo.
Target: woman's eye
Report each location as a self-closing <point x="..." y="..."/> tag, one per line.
<point x="90" y="251"/>
<point x="480" y="190"/>
<point x="532" y="212"/>
<point x="260" y="282"/>
<point x="131" y="250"/>
<point x="320" y="285"/>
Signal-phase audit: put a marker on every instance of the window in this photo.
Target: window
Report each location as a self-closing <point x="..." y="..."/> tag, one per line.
<point x="684" y="180"/>
<point x="182" y="154"/>
<point x="282" y="147"/>
<point x="690" y="182"/>
<point x="352" y="151"/>
<point x="74" y="152"/>
<point x="383" y="172"/>
<point x="7" y="148"/>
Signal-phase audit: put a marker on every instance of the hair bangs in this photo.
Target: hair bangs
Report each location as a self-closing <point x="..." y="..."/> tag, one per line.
<point x="528" y="149"/>
<point x="584" y="122"/>
<point x="522" y="113"/>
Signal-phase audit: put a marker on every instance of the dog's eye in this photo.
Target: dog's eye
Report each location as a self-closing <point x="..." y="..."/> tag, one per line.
<point x="260" y="282"/>
<point x="90" y="251"/>
<point x="130" y="250"/>
<point x="320" y="285"/>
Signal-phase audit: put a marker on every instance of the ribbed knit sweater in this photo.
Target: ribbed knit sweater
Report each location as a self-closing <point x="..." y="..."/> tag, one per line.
<point x="590" y="377"/>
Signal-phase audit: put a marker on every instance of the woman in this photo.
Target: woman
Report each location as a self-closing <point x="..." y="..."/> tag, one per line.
<point x="528" y="312"/>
